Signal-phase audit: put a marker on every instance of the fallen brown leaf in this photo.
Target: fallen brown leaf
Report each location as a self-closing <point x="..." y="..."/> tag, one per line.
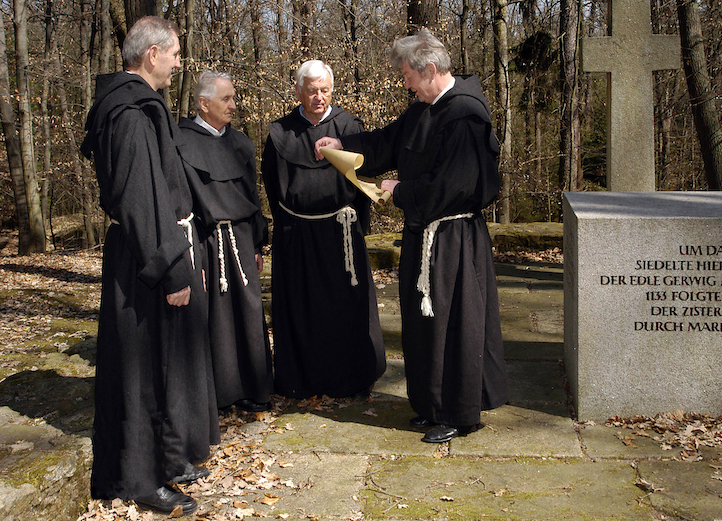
<point x="270" y="499"/>
<point x="177" y="512"/>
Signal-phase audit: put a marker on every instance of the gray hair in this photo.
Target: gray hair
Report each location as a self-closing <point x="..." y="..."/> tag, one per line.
<point x="310" y="70"/>
<point x="206" y="86"/>
<point x="419" y="50"/>
<point x="145" y="33"/>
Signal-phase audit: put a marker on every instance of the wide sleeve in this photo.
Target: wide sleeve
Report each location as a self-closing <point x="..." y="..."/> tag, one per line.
<point x="259" y="222"/>
<point x="269" y="174"/>
<point x="461" y="178"/>
<point x="139" y="199"/>
<point x="379" y="148"/>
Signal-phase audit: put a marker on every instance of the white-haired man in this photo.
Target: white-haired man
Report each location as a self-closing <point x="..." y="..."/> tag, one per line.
<point x="221" y="168"/>
<point x="327" y="335"/>
<point x="445" y="151"/>
<point x="155" y="406"/>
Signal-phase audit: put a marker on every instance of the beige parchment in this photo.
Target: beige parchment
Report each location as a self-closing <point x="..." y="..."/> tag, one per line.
<point x="347" y="163"/>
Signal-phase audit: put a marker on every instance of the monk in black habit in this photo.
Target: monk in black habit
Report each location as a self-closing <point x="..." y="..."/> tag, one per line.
<point x="445" y="151"/>
<point x="326" y="330"/>
<point x="221" y="169"/>
<point x="155" y="404"/>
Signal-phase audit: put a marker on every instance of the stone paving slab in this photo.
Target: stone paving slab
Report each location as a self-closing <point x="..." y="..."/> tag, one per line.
<point x="373" y="427"/>
<point x="464" y="489"/>
<point x="603" y="442"/>
<point x="512" y="432"/>
<point x="684" y="490"/>
<point x="392" y="385"/>
<point x="329" y="485"/>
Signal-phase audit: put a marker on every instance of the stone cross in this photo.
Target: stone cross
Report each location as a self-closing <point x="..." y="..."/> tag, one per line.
<point x="628" y="57"/>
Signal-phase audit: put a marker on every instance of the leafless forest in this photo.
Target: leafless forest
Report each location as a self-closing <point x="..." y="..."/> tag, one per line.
<point x="550" y="116"/>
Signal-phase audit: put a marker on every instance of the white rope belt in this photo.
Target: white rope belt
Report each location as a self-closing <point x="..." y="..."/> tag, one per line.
<point x="346" y="216"/>
<point x="188" y="228"/>
<point x="222" y="256"/>
<point x="424" y="282"/>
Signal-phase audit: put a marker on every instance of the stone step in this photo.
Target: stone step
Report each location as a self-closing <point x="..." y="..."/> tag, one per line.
<point x="385" y="248"/>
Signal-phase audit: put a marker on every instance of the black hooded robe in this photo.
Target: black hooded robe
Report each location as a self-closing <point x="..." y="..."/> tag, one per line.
<point x="446" y="158"/>
<point x="155" y="406"/>
<point x="326" y="331"/>
<point x="221" y="172"/>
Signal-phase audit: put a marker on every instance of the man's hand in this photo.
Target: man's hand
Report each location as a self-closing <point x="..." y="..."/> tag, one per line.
<point x="259" y="262"/>
<point x="329" y="142"/>
<point x="179" y="298"/>
<point x="388" y="185"/>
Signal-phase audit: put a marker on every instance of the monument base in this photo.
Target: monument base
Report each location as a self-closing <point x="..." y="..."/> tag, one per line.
<point x="643" y="302"/>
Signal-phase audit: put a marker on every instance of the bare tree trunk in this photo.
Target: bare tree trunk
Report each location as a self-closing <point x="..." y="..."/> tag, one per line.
<point x="421" y="13"/>
<point x="532" y="158"/>
<point x="12" y="146"/>
<point x="106" y="43"/>
<point x="137" y="9"/>
<point x="45" y="118"/>
<point x="117" y="16"/>
<point x="256" y="32"/>
<point x="35" y="214"/>
<point x="87" y="96"/>
<point x="503" y="91"/>
<point x="285" y="44"/>
<point x="256" y="35"/>
<point x="190" y="22"/>
<point x="47" y="165"/>
<point x="482" y="30"/>
<point x="570" y="174"/>
<point x="349" y="22"/>
<point x="538" y="144"/>
<point x="56" y="69"/>
<point x="281" y="29"/>
<point x="302" y="19"/>
<point x="107" y="52"/>
<point x="464" y="36"/>
<point x="585" y="79"/>
<point x="663" y="82"/>
<point x="701" y="93"/>
<point x="663" y="117"/>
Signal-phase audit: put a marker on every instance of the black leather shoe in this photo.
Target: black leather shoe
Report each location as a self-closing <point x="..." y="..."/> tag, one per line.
<point x="420" y="422"/>
<point x="165" y="499"/>
<point x="442" y="433"/>
<point x="251" y="406"/>
<point x="189" y="473"/>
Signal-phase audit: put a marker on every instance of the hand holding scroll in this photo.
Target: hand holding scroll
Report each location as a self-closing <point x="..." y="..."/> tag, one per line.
<point x="347" y="163"/>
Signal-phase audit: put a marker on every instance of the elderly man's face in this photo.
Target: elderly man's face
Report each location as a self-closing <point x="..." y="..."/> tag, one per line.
<point x="218" y="112"/>
<point x="315" y="96"/>
<point x="421" y="83"/>
<point x="164" y="64"/>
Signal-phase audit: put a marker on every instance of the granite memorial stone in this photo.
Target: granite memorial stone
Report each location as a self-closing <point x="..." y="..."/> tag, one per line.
<point x="643" y="302"/>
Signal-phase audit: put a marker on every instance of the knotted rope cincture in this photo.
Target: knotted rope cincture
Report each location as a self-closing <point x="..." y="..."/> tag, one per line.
<point x="345" y="216"/>
<point x="222" y="256"/>
<point x="423" y="284"/>
<point x="188" y="228"/>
